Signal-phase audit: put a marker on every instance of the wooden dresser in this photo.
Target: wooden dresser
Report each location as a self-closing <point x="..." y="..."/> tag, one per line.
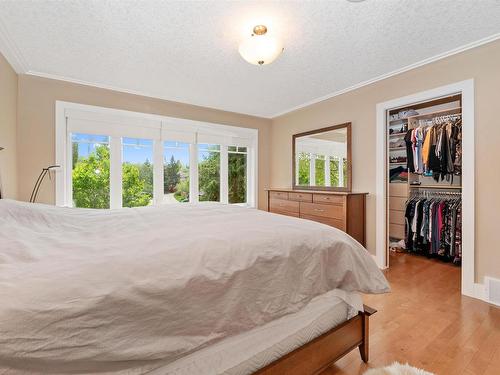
<point x="345" y="211"/>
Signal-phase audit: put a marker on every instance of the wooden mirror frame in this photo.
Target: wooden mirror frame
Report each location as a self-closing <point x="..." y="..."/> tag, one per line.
<point x="347" y="188"/>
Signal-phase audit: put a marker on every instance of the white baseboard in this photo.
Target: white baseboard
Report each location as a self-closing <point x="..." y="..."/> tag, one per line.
<point x="491" y="290"/>
<point x="479" y="292"/>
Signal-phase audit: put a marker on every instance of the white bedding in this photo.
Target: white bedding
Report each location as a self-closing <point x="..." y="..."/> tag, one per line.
<point x="250" y="351"/>
<point x="89" y="290"/>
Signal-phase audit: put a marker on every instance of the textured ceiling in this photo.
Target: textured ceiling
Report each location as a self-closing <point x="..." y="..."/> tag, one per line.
<point x="188" y="51"/>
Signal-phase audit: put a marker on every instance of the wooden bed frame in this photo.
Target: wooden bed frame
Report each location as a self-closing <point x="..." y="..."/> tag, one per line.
<point x="323" y="351"/>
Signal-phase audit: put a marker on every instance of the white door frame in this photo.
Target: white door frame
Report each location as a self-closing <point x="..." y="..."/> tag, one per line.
<point x="466" y="88"/>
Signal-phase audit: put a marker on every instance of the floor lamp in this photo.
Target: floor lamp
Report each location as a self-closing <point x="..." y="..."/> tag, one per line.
<point x="39" y="181"/>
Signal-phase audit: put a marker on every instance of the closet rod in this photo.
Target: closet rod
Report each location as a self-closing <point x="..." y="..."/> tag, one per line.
<point x="446" y="112"/>
<point x="433" y="193"/>
<point x="434" y="187"/>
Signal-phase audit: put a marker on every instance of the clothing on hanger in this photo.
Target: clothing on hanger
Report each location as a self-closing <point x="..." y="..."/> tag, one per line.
<point x="433" y="226"/>
<point x="435" y="148"/>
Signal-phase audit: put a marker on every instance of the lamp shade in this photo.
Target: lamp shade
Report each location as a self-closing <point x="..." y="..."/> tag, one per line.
<point x="260" y="49"/>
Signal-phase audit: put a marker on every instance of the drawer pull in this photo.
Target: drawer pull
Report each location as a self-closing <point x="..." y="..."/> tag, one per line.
<point x="319" y="210"/>
<point x="282" y="205"/>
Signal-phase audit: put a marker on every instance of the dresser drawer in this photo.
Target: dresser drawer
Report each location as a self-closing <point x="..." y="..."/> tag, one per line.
<point x="278" y="194"/>
<point x="283" y="205"/>
<point x="324" y="210"/>
<point x="328" y="198"/>
<point x="337" y="223"/>
<point x="301" y="197"/>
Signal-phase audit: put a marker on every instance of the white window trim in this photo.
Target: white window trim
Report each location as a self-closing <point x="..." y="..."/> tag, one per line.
<point x="120" y="123"/>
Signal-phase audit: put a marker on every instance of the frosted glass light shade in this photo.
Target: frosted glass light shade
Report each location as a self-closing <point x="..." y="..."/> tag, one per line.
<point x="260" y="49"/>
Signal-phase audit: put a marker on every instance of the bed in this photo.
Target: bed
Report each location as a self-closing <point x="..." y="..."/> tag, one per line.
<point x="181" y="289"/>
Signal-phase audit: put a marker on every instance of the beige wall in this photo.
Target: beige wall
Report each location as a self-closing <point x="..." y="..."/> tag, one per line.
<point x="8" y="109"/>
<point x="36" y="106"/>
<point x="36" y="125"/>
<point x="358" y="107"/>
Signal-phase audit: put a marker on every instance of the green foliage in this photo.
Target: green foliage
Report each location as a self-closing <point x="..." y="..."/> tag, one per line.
<point x="334" y="172"/>
<point x="319" y="167"/>
<point x="304" y="165"/>
<point x="237" y="178"/>
<point x="182" y="191"/>
<point x="74" y="149"/>
<point x="209" y="177"/>
<point x="91" y="181"/>
<point x="134" y="188"/>
<point x="172" y="175"/>
<point x="344" y="167"/>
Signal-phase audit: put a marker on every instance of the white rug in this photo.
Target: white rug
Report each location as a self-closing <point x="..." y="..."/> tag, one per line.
<point x="397" y="369"/>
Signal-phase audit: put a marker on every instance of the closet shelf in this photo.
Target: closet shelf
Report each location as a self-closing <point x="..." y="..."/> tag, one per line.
<point x="398" y="162"/>
<point x="396" y="148"/>
<point x="398" y="120"/>
<point x="435" y="186"/>
<point x="397" y="134"/>
<point x="429" y="116"/>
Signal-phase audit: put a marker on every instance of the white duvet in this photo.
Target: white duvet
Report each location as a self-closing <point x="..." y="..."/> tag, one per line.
<point x="89" y="290"/>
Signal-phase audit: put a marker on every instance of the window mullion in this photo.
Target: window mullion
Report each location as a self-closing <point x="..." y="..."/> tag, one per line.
<point x="115" y="167"/>
<point x="250" y="178"/>
<point x="69" y="170"/>
<point x="327" y="171"/>
<point x="224" y="189"/>
<point x="158" y="171"/>
<point x="312" y="169"/>
<point x="193" y="174"/>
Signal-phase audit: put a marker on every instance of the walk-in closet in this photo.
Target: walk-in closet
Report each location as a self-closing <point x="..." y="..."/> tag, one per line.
<point x="424" y="156"/>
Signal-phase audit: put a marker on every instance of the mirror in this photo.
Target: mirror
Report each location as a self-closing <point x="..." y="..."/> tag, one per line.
<point x="322" y="159"/>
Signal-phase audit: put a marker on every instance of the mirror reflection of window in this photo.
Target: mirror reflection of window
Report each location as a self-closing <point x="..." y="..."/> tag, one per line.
<point x="321" y="159"/>
<point x="319" y="172"/>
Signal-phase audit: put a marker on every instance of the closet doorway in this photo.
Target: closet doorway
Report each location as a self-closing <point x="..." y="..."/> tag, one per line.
<point x="425" y="183"/>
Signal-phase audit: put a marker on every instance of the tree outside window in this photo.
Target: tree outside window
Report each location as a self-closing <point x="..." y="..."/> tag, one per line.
<point x="304" y="168"/>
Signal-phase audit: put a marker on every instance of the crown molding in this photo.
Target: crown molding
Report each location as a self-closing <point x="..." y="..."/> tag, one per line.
<point x="11" y="52"/>
<point x="416" y="65"/>
<point x="19" y="64"/>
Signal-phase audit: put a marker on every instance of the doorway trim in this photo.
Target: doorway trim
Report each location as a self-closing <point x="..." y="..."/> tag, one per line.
<point x="466" y="89"/>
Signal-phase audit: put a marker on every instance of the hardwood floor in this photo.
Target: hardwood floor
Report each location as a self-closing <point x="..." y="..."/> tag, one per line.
<point x="426" y="322"/>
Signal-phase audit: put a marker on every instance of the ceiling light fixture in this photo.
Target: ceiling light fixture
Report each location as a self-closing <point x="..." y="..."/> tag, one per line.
<point x="260" y="48"/>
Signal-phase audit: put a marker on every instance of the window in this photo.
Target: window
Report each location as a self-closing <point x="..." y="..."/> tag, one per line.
<point x="114" y="159"/>
<point x="175" y="172"/>
<point x="209" y="172"/>
<point x="137" y="172"/>
<point x="90" y="171"/>
<point x="237" y="174"/>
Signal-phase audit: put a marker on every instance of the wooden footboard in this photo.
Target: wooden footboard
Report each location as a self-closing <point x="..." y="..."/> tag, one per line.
<point x="323" y="351"/>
